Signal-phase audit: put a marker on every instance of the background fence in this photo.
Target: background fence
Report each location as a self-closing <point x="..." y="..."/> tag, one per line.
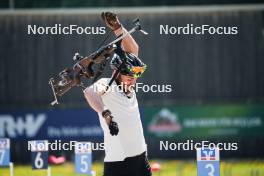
<point x="201" y="68"/>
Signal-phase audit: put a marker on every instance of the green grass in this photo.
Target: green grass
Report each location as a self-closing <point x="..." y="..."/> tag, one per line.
<point x="168" y="168"/>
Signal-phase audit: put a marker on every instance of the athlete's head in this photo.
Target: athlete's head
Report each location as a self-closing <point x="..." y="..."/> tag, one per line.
<point x="130" y="70"/>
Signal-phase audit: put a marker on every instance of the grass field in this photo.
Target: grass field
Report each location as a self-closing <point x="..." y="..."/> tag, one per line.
<point x="168" y="168"/>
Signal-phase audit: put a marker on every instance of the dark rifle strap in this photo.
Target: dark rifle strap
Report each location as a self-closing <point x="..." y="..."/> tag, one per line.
<point x="121" y="54"/>
<point x="115" y="75"/>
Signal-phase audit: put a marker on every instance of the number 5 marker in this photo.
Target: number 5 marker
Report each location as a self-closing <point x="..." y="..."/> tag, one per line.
<point x="83" y="157"/>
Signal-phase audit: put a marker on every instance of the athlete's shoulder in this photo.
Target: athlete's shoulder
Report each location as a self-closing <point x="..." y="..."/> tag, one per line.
<point x="103" y="81"/>
<point x="100" y="86"/>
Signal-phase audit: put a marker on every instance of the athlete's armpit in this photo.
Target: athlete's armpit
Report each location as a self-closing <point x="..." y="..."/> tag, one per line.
<point x="94" y="100"/>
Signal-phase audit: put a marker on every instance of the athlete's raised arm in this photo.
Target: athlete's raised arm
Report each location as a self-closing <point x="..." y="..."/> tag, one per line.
<point x="128" y="43"/>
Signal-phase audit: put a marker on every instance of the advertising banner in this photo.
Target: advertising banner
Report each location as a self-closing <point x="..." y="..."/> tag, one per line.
<point x="204" y="121"/>
<point x="74" y="124"/>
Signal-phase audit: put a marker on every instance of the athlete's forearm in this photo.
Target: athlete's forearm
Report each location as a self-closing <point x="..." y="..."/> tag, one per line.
<point x="128" y="43"/>
<point x="94" y="99"/>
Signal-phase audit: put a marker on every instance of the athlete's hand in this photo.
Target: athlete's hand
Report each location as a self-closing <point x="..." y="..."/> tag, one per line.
<point x="112" y="125"/>
<point x="111" y="20"/>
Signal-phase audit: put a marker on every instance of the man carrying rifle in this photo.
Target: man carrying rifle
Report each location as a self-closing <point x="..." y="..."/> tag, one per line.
<point x="117" y="108"/>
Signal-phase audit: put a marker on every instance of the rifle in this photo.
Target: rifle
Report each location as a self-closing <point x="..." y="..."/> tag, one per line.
<point x="83" y="68"/>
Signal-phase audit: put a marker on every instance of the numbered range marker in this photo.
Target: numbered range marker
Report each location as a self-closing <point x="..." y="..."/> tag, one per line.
<point x="83" y="158"/>
<point x="39" y="154"/>
<point x="4" y="152"/>
<point x="208" y="162"/>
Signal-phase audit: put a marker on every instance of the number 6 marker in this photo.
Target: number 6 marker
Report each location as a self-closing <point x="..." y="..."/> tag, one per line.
<point x="39" y="154"/>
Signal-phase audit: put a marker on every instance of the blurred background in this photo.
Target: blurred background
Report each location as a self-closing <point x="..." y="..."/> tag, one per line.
<point x="217" y="80"/>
